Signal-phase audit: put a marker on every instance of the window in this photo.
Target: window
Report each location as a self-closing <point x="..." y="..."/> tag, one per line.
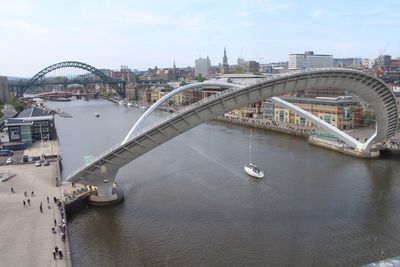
<point x="45" y="123"/>
<point x="45" y="130"/>
<point x="36" y="123"/>
<point x="14" y="133"/>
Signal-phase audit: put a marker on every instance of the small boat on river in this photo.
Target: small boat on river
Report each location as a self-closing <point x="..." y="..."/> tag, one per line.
<point x="252" y="169"/>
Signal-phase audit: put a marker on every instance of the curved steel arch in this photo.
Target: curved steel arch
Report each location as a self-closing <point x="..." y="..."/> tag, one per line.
<point x="163" y="99"/>
<point x="115" y="84"/>
<point x="374" y="91"/>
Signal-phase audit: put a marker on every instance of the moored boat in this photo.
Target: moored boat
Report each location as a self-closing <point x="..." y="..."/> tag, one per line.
<point x="252" y="169"/>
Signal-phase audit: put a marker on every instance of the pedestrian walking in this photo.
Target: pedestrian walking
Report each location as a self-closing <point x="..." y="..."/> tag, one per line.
<point x="25" y="193"/>
<point x="56" y="249"/>
<point x="48" y="200"/>
<point x="23" y="201"/>
<point x="55" y="222"/>
<point x="29" y="202"/>
<point x="32" y="194"/>
<point x="12" y="190"/>
<point x="54" y="254"/>
<point x="41" y="207"/>
<point x="60" y="254"/>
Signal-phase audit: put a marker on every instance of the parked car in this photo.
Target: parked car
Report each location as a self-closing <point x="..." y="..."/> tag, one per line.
<point x="9" y="161"/>
<point x="6" y="152"/>
<point x="46" y="163"/>
<point x="38" y="163"/>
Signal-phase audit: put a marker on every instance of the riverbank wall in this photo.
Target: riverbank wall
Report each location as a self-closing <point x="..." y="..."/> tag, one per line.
<point x="300" y="132"/>
<point x="342" y="148"/>
<point x="250" y="122"/>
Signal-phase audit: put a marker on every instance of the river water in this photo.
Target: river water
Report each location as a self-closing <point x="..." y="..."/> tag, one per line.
<point x="189" y="203"/>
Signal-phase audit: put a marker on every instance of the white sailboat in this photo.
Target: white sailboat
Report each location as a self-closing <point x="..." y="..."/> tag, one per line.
<point x="252" y="169"/>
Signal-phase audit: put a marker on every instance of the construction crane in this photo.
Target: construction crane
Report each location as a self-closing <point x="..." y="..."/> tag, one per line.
<point x="381" y="53"/>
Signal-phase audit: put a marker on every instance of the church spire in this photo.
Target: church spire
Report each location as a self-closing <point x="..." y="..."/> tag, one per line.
<point x="225" y="58"/>
<point x="225" y="66"/>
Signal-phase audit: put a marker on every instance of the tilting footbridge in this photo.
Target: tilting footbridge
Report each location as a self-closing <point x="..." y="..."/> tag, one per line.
<point x="103" y="170"/>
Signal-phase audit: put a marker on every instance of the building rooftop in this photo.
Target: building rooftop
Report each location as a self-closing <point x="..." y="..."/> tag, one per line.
<point x="307" y="55"/>
<point x="33" y="112"/>
<point x="16" y="121"/>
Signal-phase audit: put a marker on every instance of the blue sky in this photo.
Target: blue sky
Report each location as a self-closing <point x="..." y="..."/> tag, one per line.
<point x="142" y="34"/>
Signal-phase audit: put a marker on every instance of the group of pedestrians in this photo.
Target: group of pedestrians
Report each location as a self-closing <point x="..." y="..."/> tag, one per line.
<point x="26" y="202"/>
<point x="57" y="253"/>
<point x="62" y="226"/>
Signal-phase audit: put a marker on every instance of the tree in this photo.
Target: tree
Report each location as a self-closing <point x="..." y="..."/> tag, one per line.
<point x="10" y="99"/>
<point x="19" y="105"/>
<point x="199" y="78"/>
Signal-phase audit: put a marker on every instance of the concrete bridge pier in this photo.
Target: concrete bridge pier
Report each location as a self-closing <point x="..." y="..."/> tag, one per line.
<point x="108" y="192"/>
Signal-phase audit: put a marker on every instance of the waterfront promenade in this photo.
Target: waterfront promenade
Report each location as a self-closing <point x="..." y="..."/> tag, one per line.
<point x="27" y="238"/>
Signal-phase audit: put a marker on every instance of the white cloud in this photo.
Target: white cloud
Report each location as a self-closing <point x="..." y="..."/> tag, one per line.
<point x="384" y="22"/>
<point x="21" y="25"/>
<point x="318" y="12"/>
<point x="241" y="14"/>
<point x="142" y="17"/>
<point x="275" y="6"/>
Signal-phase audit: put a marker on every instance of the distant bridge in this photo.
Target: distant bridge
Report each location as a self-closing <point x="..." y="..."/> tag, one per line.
<point x="39" y="79"/>
<point x="102" y="172"/>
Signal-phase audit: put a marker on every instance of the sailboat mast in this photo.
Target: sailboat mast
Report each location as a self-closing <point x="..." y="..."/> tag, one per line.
<point x="250" y="146"/>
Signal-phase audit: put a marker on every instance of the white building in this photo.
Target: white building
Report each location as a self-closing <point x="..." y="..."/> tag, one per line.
<point x="309" y="60"/>
<point x="202" y="66"/>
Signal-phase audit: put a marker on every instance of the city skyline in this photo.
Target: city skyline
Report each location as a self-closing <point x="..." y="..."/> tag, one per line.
<point x="142" y="35"/>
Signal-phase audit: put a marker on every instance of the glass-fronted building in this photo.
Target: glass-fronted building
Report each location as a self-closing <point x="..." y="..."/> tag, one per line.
<point x="30" y="125"/>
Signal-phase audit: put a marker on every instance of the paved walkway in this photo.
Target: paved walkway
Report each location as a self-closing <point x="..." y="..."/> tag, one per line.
<point x="26" y="236"/>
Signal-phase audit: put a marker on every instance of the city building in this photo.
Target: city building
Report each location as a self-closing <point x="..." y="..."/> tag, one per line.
<point x="4" y="89"/>
<point x="240" y="61"/>
<point x="251" y="66"/>
<point x="367" y="63"/>
<point x="385" y="62"/>
<point x="341" y="112"/>
<point x="309" y="60"/>
<point x="30" y="125"/>
<point x="348" y="62"/>
<point x="225" y="65"/>
<point x="202" y="66"/>
<point x="268" y="109"/>
<point x="395" y="64"/>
